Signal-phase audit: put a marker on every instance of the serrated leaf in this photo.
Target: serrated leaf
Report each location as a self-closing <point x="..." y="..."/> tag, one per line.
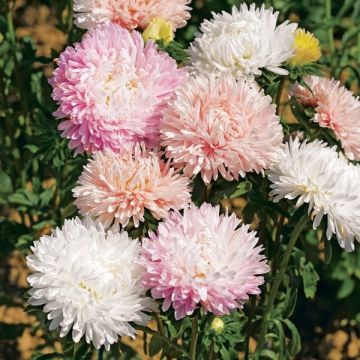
<point x="309" y="276"/>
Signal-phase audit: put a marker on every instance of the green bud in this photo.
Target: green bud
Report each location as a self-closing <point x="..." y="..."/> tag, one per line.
<point x="217" y="325"/>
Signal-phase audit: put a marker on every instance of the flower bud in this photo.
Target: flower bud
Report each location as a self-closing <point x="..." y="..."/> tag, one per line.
<point x="217" y="325"/>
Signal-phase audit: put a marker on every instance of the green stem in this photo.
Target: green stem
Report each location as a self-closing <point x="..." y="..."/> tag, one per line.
<point x="211" y="355"/>
<point x="160" y="324"/>
<point x="278" y="280"/>
<point x="330" y="30"/>
<point x="194" y="336"/>
<point x="101" y="353"/>
<point x="161" y="329"/>
<point x="279" y="93"/>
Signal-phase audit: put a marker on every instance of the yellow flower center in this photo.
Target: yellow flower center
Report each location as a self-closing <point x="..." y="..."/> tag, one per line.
<point x="307" y="48"/>
<point x="159" y="29"/>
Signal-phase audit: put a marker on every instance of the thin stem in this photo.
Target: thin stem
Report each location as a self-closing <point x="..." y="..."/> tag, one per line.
<point x="279" y="93"/>
<point x="194" y="336"/>
<point x="249" y="328"/>
<point x="161" y="329"/>
<point x="330" y="30"/>
<point x="101" y="353"/>
<point x="211" y="355"/>
<point x="160" y="324"/>
<point x="278" y="280"/>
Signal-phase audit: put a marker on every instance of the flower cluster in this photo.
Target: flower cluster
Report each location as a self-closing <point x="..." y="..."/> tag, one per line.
<point x="149" y="126"/>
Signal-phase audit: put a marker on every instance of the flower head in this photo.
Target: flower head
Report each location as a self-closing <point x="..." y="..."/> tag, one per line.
<point x="336" y="108"/>
<point x="120" y="187"/>
<point x="159" y="29"/>
<point x="202" y="259"/>
<point x="220" y="125"/>
<point x="130" y="14"/>
<point x="307" y="48"/>
<point x="319" y="176"/>
<point x="112" y="90"/>
<point x="243" y="42"/>
<point x="89" y="280"/>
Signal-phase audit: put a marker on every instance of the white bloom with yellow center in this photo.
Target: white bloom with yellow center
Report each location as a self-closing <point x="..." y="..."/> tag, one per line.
<point x="89" y="280"/>
<point x="243" y="42"/>
<point x="318" y="175"/>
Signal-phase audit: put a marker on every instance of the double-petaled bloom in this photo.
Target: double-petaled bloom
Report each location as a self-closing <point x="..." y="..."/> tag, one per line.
<point x="319" y="176"/>
<point x="89" y="282"/>
<point x="111" y="89"/>
<point x="203" y="259"/>
<point x="243" y="43"/>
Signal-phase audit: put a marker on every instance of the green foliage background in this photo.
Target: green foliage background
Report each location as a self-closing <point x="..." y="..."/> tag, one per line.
<point x="38" y="171"/>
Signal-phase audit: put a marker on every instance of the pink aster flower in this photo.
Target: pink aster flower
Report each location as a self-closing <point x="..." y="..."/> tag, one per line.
<point x="111" y="89"/>
<point x="203" y="259"/>
<point x="130" y="14"/>
<point x="220" y="126"/>
<point x="336" y="108"/>
<point x="114" y="188"/>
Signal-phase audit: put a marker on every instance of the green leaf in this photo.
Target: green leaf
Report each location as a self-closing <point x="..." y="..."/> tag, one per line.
<point x="155" y="345"/>
<point x="294" y="345"/>
<point x="231" y="190"/>
<point x="19" y="199"/>
<point x="6" y="186"/>
<point x="346" y="288"/>
<point x="309" y="276"/>
<point x="289" y="302"/>
<point x="32" y="148"/>
<point x="269" y="354"/>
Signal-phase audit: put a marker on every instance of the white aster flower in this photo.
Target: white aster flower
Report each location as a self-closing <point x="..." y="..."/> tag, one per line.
<point x="243" y="42"/>
<point x="318" y="175"/>
<point x="89" y="280"/>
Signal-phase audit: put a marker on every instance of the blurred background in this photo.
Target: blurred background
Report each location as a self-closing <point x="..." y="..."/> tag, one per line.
<point x="37" y="171"/>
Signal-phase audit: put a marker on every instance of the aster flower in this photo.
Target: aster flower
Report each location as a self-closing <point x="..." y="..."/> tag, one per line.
<point x="243" y="42"/>
<point x="307" y="48"/>
<point x="220" y="125"/>
<point x="120" y="187"/>
<point x="159" y="29"/>
<point x="130" y="14"/>
<point x="336" y="108"/>
<point x="111" y="89"/>
<point x="89" y="281"/>
<point x="316" y="174"/>
<point x="202" y="259"/>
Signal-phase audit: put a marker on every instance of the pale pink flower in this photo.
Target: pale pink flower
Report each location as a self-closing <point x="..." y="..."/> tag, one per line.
<point x="336" y="108"/>
<point x="115" y="188"/>
<point x="202" y="259"/>
<point x="220" y="125"/>
<point x="111" y="89"/>
<point x="130" y="14"/>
